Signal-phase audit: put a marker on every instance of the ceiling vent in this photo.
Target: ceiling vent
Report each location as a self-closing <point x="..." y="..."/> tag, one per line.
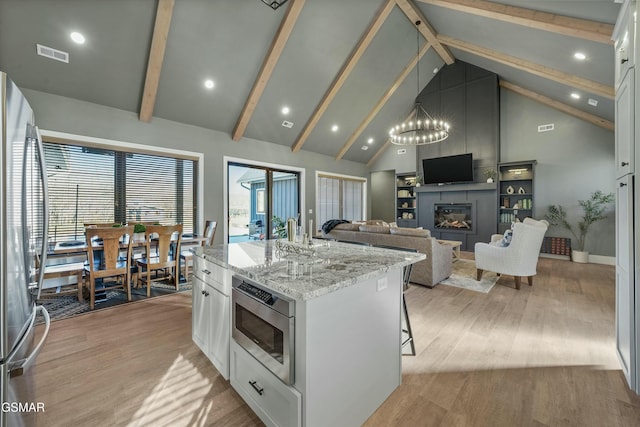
<point x="287" y="124"/>
<point x="364" y="147"/>
<point x="545" y="128"/>
<point x="593" y="102"/>
<point x="402" y="151"/>
<point x="51" y="53"/>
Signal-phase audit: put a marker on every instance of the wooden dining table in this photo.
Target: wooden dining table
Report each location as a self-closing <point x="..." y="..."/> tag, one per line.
<point x="63" y="248"/>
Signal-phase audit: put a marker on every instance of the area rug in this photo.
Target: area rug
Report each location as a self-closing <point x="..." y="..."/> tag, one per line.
<point x="464" y="276"/>
<point x="65" y="306"/>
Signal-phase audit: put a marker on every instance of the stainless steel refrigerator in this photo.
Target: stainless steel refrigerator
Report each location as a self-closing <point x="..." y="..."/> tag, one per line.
<point x="23" y="237"/>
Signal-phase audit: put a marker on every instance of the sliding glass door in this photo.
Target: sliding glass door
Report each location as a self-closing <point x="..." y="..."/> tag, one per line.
<point x="259" y="200"/>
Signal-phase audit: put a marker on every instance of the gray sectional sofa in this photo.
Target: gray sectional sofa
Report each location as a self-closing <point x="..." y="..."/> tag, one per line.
<point x="429" y="272"/>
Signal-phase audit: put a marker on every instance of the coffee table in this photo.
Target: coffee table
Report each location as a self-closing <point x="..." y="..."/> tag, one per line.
<point x="455" y="246"/>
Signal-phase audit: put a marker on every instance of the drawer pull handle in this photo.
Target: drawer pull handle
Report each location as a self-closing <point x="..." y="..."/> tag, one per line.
<point x="205" y="271"/>
<point x="623" y="184"/>
<point x="622" y="61"/>
<point x="202" y="292"/>
<point x="256" y="387"/>
<point x="206" y="294"/>
<point x="623" y="164"/>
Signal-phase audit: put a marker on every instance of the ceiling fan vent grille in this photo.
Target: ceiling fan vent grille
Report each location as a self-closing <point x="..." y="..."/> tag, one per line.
<point x="51" y="53"/>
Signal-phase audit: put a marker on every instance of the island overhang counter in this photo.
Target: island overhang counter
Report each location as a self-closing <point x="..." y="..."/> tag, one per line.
<point x="347" y="335"/>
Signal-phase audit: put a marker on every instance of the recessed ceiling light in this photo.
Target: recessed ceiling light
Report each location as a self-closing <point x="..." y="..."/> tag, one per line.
<point x="209" y="84"/>
<point x="580" y="56"/>
<point x="435" y="70"/>
<point x="77" y="37"/>
<point x="370" y="141"/>
<point x="334" y="128"/>
<point x="285" y="110"/>
<point x="575" y="95"/>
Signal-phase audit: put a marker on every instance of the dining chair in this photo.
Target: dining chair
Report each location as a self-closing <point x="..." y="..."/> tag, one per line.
<point x="165" y="256"/>
<point x="186" y="255"/>
<point x="106" y="266"/>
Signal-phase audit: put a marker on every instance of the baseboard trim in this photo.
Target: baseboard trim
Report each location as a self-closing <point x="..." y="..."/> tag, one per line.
<point x="593" y="259"/>
<point x="601" y="259"/>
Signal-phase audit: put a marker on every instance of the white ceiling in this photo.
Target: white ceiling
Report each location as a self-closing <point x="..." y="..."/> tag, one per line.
<point x="227" y="41"/>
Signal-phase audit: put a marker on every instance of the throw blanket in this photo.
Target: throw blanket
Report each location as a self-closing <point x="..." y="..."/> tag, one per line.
<point x="329" y="225"/>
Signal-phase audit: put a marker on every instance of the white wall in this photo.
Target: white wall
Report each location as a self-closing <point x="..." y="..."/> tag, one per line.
<point x="82" y="118"/>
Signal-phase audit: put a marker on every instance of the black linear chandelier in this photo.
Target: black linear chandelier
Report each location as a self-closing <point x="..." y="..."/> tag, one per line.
<point x="274" y="4"/>
<point x="419" y="128"/>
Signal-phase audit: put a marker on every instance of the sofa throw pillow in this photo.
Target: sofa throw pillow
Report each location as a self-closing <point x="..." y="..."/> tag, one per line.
<point x="402" y="231"/>
<point x="376" y="222"/>
<point x="347" y="227"/>
<point x="506" y="238"/>
<point x="375" y="229"/>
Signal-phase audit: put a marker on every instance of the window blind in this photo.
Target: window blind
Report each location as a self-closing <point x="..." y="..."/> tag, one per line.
<point x="339" y="198"/>
<point x="92" y="185"/>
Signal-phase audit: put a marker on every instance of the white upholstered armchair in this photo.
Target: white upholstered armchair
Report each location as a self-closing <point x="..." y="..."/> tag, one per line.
<point x="520" y="258"/>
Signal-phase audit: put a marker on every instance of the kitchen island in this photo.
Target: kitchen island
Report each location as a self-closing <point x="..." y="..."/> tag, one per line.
<point x="346" y="346"/>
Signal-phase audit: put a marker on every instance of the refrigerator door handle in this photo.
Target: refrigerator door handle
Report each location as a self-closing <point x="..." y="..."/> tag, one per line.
<point x="45" y="211"/>
<point x="18" y="367"/>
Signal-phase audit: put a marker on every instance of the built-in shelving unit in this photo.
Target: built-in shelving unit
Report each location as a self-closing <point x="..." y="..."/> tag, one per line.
<point x="515" y="192"/>
<point x="406" y="201"/>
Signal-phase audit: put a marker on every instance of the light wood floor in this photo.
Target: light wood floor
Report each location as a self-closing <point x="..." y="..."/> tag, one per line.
<point x="542" y="356"/>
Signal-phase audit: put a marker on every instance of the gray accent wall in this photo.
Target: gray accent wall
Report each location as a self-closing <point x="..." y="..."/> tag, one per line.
<point x="383" y="200"/>
<point x="68" y="115"/>
<point x="574" y="160"/>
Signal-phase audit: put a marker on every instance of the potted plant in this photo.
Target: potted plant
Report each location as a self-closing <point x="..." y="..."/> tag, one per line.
<point x="593" y="210"/>
<point x="138" y="231"/>
<point x="490" y="175"/>
<point x="279" y="227"/>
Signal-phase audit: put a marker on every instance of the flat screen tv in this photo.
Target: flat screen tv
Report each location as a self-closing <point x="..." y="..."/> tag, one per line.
<point x="445" y="170"/>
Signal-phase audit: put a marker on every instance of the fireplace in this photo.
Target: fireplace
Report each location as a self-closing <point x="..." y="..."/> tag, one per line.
<point x="453" y="216"/>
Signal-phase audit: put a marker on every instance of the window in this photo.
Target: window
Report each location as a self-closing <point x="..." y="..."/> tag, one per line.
<point x="340" y="197"/>
<point x="95" y="185"/>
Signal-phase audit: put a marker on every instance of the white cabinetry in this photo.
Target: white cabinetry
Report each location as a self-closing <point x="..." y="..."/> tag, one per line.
<point x="275" y="403"/>
<point x="625" y="125"/>
<point x="624" y="41"/>
<point x="212" y="312"/>
<point x="625" y="295"/>
<point x="627" y="224"/>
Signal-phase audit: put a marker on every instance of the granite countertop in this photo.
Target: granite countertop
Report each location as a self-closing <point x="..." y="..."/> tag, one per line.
<point x="333" y="265"/>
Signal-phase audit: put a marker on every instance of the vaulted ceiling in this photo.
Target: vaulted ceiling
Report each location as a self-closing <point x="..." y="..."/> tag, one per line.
<point x="345" y="63"/>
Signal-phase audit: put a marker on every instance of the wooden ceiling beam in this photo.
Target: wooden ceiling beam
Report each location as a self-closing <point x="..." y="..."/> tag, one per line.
<point x="345" y="71"/>
<point x="591" y="118"/>
<point x="268" y="65"/>
<point x="414" y="14"/>
<point x="164" y="14"/>
<point x="574" y="27"/>
<point x="531" y="67"/>
<point x="376" y="109"/>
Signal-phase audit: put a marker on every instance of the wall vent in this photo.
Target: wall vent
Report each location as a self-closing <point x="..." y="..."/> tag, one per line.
<point x="545" y="128"/>
<point x="402" y="151"/>
<point x="51" y="53"/>
<point x="287" y="124"/>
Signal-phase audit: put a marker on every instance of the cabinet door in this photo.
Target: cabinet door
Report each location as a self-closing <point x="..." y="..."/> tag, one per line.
<point x="625" y="293"/>
<point x="625" y="129"/>
<point x="199" y="315"/>
<point x="220" y="330"/>
<point x="624" y="42"/>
